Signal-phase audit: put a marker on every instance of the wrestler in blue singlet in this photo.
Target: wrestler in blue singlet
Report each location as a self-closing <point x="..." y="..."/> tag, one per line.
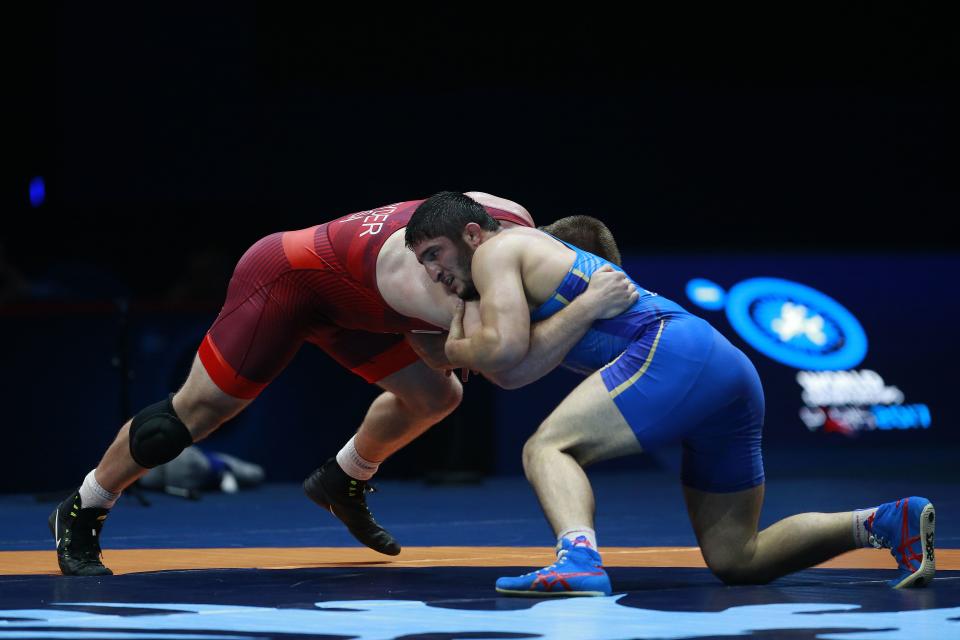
<point x="673" y="377"/>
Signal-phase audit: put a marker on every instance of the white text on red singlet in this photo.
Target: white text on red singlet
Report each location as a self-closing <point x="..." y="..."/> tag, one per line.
<point x="373" y="219"/>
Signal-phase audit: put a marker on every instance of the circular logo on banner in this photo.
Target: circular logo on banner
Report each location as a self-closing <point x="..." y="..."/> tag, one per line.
<point x="796" y="325"/>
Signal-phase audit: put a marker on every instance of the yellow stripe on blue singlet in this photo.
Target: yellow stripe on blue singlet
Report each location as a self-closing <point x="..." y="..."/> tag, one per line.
<point x="623" y="386"/>
<point x="580" y="274"/>
<point x="559" y="298"/>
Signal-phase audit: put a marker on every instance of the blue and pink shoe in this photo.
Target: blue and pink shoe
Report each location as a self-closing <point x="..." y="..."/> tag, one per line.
<point x="578" y="571"/>
<point x="906" y="528"/>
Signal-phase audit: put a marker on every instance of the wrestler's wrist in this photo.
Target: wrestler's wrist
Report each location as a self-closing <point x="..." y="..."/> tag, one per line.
<point x="587" y="307"/>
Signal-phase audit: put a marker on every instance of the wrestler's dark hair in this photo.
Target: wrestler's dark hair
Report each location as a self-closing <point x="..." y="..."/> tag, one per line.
<point x="446" y="214"/>
<point x="586" y="233"/>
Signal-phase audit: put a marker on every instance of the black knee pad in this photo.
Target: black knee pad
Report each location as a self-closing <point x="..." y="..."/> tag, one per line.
<point x="157" y="435"/>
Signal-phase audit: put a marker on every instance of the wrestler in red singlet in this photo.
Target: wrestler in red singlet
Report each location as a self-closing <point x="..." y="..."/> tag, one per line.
<point x="317" y="285"/>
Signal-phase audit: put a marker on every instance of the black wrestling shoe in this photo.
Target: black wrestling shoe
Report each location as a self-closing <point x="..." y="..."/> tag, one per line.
<point x="77" y="535"/>
<point x="331" y="488"/>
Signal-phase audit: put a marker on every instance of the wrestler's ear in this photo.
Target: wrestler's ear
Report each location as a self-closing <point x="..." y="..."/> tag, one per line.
<point x="472" y="234"/>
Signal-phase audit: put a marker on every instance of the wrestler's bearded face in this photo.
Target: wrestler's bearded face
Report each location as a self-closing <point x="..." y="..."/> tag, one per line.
<point x="447" y="261"/>
<point x="463" y="276"/>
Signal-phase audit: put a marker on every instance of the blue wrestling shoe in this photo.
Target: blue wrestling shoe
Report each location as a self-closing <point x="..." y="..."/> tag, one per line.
<point x="906" y="528"/>
<point x="577" y="572"/>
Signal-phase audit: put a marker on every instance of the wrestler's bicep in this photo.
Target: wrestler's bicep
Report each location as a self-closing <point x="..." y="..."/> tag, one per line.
<point x="503" y="305"/>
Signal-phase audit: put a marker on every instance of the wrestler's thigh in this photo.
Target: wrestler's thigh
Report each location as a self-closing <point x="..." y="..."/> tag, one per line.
<point x="588" y="425"/>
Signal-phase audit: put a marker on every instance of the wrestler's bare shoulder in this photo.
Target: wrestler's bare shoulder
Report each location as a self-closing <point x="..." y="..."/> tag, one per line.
<point x="542" y="261"/>
<point x="519" y="241"/>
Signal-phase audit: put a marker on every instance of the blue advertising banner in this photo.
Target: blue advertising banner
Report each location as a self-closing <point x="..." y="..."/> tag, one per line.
<point x="857" y="345"/>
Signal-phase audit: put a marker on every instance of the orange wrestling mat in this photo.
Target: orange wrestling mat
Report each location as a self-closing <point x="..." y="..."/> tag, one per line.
<point x="139" y="560"/>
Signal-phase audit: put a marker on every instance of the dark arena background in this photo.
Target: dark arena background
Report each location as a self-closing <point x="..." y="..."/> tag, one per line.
<point x="783" y="172"/>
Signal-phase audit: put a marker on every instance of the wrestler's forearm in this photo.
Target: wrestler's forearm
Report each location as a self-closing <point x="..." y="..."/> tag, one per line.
<point x="430" y="348"/>
<point x="484" y="351"/>
<point x="550" y="341"/>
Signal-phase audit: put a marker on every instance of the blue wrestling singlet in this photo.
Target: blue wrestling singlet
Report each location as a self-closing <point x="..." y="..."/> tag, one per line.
<point x="673" y="377"/>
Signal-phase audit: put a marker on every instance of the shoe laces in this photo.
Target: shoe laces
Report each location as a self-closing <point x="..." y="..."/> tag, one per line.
<point x="84" y="534"/>
<point x="358" y="489"/>
<point x="561" y="559"/>
<point x="356" y="494"/>
<point x="878" y="542"/>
